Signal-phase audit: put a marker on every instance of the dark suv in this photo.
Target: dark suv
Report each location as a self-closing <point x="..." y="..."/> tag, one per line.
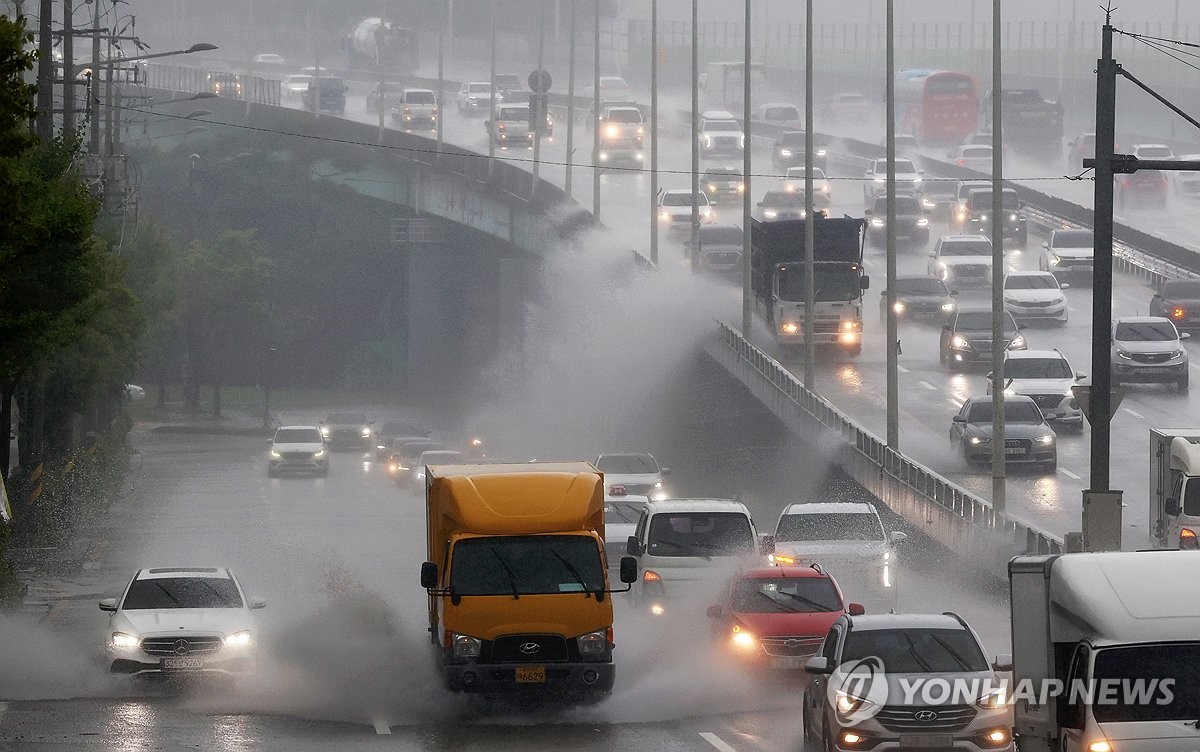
<point x="1179" y="301"/>
<point x="911" y="223"/>
<point x="980" y="215"/>
<point x="332" y="95"/>
<point x="789" y="150"/>
<point x="967" y="337"/>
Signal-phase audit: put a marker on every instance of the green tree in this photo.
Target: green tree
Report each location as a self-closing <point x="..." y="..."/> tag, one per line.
<point x="154" y="269"/>
<point x="226" y="310"/>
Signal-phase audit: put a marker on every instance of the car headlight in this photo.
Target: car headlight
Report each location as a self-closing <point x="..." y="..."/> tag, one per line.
<point x="820" y="152"/>
<point x="947" y="307"/>
<point x="826" y="188"/>
<point x="959" y="341"/>
<point x="741" y="188"/>
<point x="923" y="222"/>
<point x="275" y="454"/>
<point x="770" y="213"/>
<point x="664" y="216"/>
<point x="707" y="142"/>
<point x="877" y="222"/>
<point x="789" y="327"/>
<point x="325" y="431"/>
<point x="785" y="152"/>
<point x="741" y="141"/>
<point x="1178" y="354"/>
<point x="612" y="131"/>
<point x="366" y="433"/>
<point x="465" y="646"/>
<point x="1011" y="300"/>
<point x="1045" y="439"/>
<point x="742" y="638"/>
<point x="1012" y="217"/>
<point x="122" y="640"/>
<point x="916" y="180"/>
<point x="982" y="217"/>
<point x="928" y="204"/>
<point x="898" y="307"/>
<point x="1123" y="354"/>
<point x="593" y="643"/>
<point x="992" y="700"/>
<point x="847" y="703"/>
<point x="1018" y="343"/>
<point x="977" y="440"/>
<point x="880" y="180"/>
<point x="318" y="454"/>
<point x="712" y="187"/>
<point x="238" y="639"/>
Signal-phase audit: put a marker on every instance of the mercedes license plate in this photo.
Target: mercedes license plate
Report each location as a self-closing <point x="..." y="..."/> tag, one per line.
<point x="531" y="675"/>
<point x="927" y="741"/>
<point x="177" y="664"/>
<point x="1014" y="450"/>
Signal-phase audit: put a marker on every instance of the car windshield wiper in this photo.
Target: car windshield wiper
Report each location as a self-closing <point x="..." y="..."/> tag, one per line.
<point x="220" y="597"/>
<point x="912" y="650"/>
<point x="169" y="594"/>
<point x="512" y="578"/>
<point x="953" y="653"/>
<point x="689" y="549"/>
<point x="779" y="605"/>
<point x="818" y="607"/>
<point x="571" y="568"/>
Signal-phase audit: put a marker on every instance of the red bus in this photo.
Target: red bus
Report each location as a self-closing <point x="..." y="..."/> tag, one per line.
<point x="938" y="107"/>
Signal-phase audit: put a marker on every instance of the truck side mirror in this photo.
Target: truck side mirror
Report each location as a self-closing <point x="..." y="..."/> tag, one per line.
<point x="429" y="575"/>
<point x="818" y="664"/>
<point x="1172" y="508"/>
<point x="766" y="542"/>
<point x="629" y="570"/>
<point x="865" y="282"/>
<point x="713" y="612"/>
<point x="1002" y="662"/>
<point x="855" y="609"/>
<point x="632" y="546"/>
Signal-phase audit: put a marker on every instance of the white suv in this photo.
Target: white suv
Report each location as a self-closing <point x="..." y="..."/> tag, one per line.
<point x="1147" y="349"/>
<point x="182" y="620"/>
<point x="720" y="133"/>
<point x="908" y="179"/>
<point x="960" y="260"/>
<point x="675" y="210"/>
<point x="878" y="683"/>
<point x="298" y="449"/>
<point x="847" y="539"/>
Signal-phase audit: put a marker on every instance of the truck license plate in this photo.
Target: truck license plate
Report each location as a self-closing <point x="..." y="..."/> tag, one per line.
<point x="531" y="675"/>
<point x="927" y="741"/>
<point x="176" y="664"/>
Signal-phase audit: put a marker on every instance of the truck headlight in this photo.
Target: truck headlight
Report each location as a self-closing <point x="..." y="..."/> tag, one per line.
<point x="465" y="646"/>
<point x="593" y="643"/>
<point x="238" y="639"/>
<point x="122" y="640"/>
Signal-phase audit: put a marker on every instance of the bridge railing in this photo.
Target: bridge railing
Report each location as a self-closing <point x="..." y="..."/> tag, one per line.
<point x="948" y="513"/>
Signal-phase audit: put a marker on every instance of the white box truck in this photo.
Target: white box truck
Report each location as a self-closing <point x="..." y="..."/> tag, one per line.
<point x="1175" y="487"/>
<point x="1106" y="651"/>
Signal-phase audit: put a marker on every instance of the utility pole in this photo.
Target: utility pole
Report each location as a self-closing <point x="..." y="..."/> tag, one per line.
<point x="747" y="302"/>
<point x="571" y="106"/>
<point x="654" y="221"/>
<point x="695" y="236"/>
<point x="440" y="110"/>
<point x="810" y="266"/>
<point x="893" y="329"/>
<point x="596" y="114"/>
<point x="998" y="316"/>
<point x="68" y="74"/>
<point x="45" y="73"/>
<point x="93" y="87"/>
<point x="492" y="102"/>
<point x="540" y="123"/>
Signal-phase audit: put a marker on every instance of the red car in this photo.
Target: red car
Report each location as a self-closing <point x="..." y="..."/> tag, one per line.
<point x="1144" y="188"/>
<point x="776" y="617"/>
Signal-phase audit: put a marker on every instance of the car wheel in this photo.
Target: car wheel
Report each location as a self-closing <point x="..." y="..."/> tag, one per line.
<point x="1052" y="466"/>
<point x="1183" y="383"/>
<point x="827" y="738"/>
<point x="942" y="356"/>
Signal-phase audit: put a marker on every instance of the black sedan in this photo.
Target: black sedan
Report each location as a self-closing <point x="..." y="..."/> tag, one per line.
<point x="967" y="338"/>
<point x="1028" y="438"/>
<point x="1179" y="301"/>
<point x="911" y="223"/>
<point x="919" y="296"/>
<point x="790" y="148"/>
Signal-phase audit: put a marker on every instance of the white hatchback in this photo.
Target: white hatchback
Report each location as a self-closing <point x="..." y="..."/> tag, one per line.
<point x="181" y="621"/>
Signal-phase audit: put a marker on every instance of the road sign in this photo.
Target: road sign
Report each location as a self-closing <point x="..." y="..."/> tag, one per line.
<point x="539" y="81"/>
<point x="1083" y="392"/>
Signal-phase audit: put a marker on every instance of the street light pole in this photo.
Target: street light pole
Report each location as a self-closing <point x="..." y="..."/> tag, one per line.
<point x="540" y="124"/>
<point x="441" y="90"/>
<point x="998" y="317"/>
<point x="810" y="292"/>
<point x="695" y="236"/>
<point x="893" y="329"/>
<point x="654" y="132"/>
<point x="571" y="106"/>
<point x="492" y="102"/>
<point x="747" y="302"/>
<point x="68" y="47"/>
<point x="595" y="118"/>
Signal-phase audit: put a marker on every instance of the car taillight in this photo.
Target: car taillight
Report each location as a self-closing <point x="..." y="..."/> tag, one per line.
<point x="1178" y="313"/>
<point x="1187" y="540"/>
<point x="962" y="163"/>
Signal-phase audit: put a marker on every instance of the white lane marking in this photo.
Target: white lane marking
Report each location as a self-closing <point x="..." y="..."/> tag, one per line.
<point x="1134" y="413"/>
<point x="954" y="402"/>
<point x="1159" y="234"/>
<point x="902" y="369"/>
<point x="1069" y="474"/>
<point x="928" y="386"/>
<point x="716" y="741"/>
<point x="382" y="729"/>
<point x="1194" y="365"/>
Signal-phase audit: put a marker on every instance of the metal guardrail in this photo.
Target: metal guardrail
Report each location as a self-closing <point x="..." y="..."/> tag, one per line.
<point x="957" y="518"/>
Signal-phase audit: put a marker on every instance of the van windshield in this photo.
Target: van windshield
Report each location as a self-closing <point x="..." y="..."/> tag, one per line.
<point x="700" y="534"/>
<point x="1148" y="667"/>
<point x="526" y="565"/>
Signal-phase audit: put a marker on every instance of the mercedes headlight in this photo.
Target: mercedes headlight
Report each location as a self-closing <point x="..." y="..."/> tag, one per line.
<point x="465" y="646"/>
<point x="122" y="640"/>
<point x="238" y="639"/>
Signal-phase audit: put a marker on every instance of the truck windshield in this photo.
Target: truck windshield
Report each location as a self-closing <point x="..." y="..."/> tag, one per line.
<point x="823" y="527"/>
<point x="917" y="651"/>
<point x="526" y="565"/>
<point x="1148" y="666"/>
<point x="834" y="282"/>
<point x="1191" y="498"/>
<point x="779" y="595"/>
<point x="700" y="534"/>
